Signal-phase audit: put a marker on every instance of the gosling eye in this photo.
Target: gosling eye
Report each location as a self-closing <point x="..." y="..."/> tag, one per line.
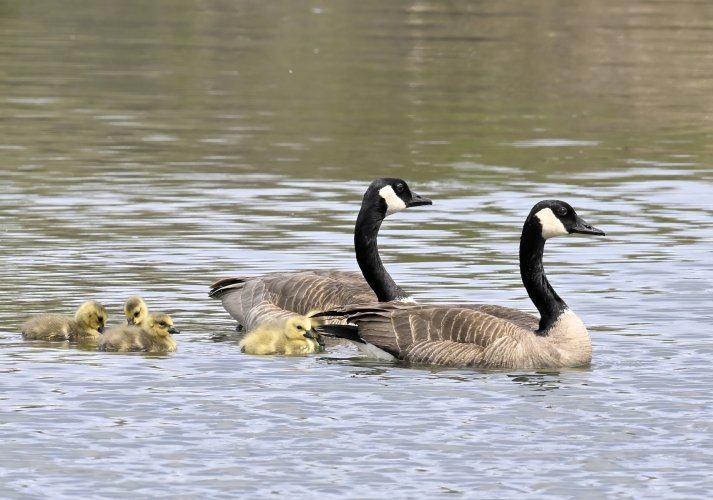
<point x="400" y="188"/>
<point x="561" y="211"/>
<point x="101" y="319"/>
<point x="299" y="327"/>
<point x="162" y="324"/>
<point x="136" y="314"/>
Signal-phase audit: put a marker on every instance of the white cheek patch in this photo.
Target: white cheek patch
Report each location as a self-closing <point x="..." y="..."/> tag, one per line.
<point x="393" y="203"/>
<point x="551" y="225"/>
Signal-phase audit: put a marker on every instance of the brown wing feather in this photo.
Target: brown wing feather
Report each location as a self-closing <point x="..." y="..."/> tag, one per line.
<point x="440" y="334"/>
<point x="253" y="301"/>
<point x="443" y="352"/>
<point x="520" y="318"/>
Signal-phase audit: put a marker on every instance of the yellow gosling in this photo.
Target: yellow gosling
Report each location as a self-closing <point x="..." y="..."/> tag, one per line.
<point x="294" y="336"/>
<point x="153" y="336"/>
<point x="87" y="324"/>
<point x="136" y="311"/>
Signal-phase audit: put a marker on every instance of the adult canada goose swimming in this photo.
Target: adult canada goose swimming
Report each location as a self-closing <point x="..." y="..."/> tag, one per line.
<point x="136" y="311"/>
<point x="87" y="324"/>
<point x="153" y="336"/>
<point x="278" y="296"/>
<point x="482" y="335"/>
<point x="290" y="337"/>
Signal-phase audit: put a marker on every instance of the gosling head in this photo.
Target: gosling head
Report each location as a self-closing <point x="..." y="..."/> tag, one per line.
<point x="136" y="311"/>
<point x="391" y="196"/>
<point x="161" y="325"/>
<point x="557" y="218"/>
<point x="298" y="327"/>
<point x="92" y="314"/>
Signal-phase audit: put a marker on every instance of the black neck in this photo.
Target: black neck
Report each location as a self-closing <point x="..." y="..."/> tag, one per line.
<point x="532" y="271"/>
<point x="367" y="254"/>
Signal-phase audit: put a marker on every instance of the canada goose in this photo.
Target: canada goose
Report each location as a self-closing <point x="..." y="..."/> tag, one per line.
<point x="136" y="311"/>
<point x="153" y="336"/>
<point x="278" y="296"/>
<point x="291" y="336"/>
<point x="88" y="322"/>
<point x="483" y="335"/>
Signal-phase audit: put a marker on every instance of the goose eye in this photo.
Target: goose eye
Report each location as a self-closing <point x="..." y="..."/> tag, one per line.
<point x="400" y="188"/>
<point x="100" y="319"/>
<point x="299" y="327"/>
<point x="562" y="211"/>
<point x="136" y="314"/>
<point x="162" y="324"/>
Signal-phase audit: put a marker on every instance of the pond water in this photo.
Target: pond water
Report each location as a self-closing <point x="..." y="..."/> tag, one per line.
<point x="153" y="148"/>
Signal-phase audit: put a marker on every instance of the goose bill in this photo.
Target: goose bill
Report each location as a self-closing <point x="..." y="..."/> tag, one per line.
<point x="582" y="227"/>
<point x="418" y="200"/>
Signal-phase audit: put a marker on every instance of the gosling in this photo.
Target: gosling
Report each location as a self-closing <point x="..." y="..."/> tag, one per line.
<point x="87" y="324"/>
<point x="292" y="337"/>
<point x="136" y="311"/>
<point x="153" y="336"/>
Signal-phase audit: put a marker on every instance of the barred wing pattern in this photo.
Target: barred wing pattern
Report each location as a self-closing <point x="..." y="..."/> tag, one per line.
<point x="256" y="300"/>
<point x="520" y="318"/>
<point x="453" y="335"/>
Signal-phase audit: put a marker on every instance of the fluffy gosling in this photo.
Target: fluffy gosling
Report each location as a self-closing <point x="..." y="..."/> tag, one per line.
<point x="153" y="336"/>
<point x="294" y="336"/>
<point x="136" y="311"/>
<point x="87" y="324"/>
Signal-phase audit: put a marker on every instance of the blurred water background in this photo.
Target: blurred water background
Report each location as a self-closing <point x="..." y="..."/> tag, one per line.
<point x="152" y="147"/>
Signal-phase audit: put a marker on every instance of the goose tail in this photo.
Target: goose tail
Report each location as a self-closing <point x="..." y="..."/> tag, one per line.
<point x="225" y="285"/>
<point x="348" y="332"/>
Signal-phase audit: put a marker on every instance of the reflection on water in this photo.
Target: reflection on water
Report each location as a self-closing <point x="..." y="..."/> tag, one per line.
<point x="539" y="381"/>
<point x="150" y="149"/>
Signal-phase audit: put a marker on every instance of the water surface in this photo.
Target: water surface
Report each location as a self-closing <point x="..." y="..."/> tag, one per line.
<point x="152" y="148"/>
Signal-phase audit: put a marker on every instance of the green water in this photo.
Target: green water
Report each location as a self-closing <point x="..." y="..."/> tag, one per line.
<point x="152" y="147"/>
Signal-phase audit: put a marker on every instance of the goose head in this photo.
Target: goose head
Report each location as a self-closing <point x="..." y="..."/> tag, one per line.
<point x="161" y="325"/>
<point x="392" y="195"/>
<point x="558" y="218"/>
<point x="92" y="314"/>
<point x="135" y="310"/>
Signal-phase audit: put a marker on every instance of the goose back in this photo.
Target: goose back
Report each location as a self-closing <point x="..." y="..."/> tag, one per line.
<point x="278" y="296"/>
<point x="448" y="335"/>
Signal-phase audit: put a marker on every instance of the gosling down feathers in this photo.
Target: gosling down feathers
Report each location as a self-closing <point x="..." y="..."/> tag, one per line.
<point x="485" y="336"/>
<point x="87" y="324"/>
<point x="136" y="311"/>
<point x="153" y="336"/>
<point x="293" y="336"/>
<point x="278" y="296"/>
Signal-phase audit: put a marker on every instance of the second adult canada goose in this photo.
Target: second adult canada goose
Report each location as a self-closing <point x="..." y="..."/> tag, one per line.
<point x="153" y="336"/>
<point x="136" y="311"/>
<point x="87" y="324"/>
<point x="483" y="335"/>
<point x="278" y="296"/>
<point x="290" y="337"/>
